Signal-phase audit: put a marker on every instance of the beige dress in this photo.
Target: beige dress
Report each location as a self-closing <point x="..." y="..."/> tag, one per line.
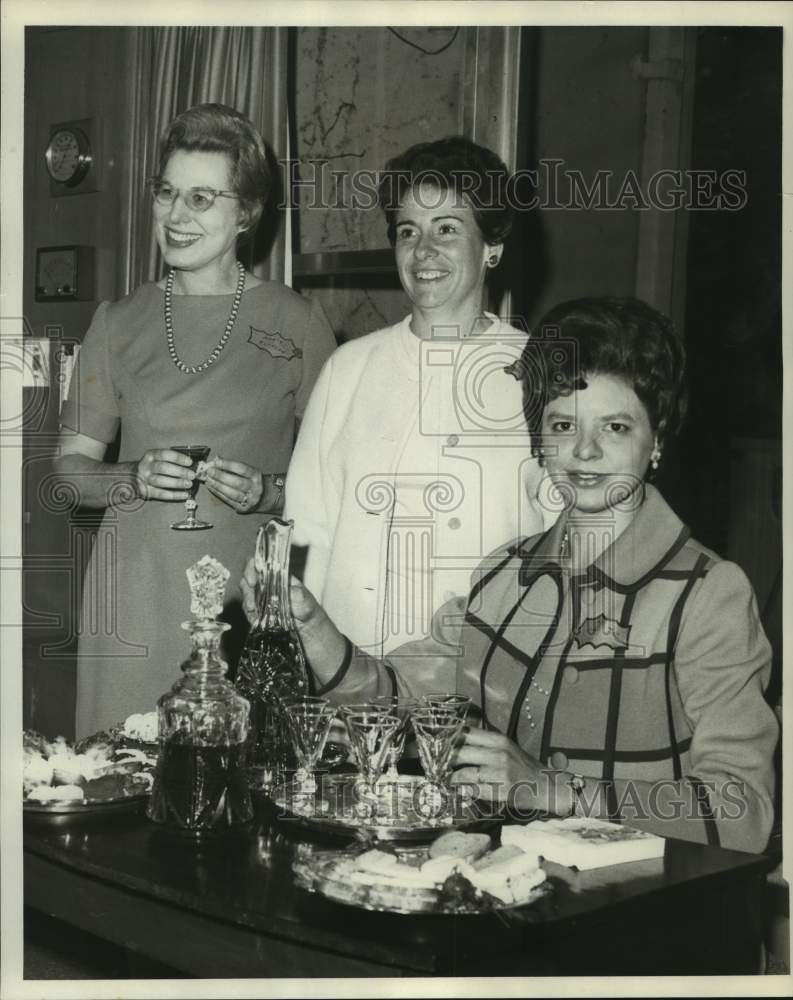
<point x="243" y="407"/>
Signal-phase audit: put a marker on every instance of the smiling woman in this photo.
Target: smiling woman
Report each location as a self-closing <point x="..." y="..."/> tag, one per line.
<point x="196" y="219"/>
<point x="441" y="256"/>
<point x="408" y="425"/>
<point x="599" y="442"/>
<point x="617" y="393"/>
<point x="616" y="666"/>
<point x="212" y="357"/>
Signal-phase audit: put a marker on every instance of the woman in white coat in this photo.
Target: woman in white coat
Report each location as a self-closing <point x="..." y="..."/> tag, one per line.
<point x="413" y="459"/>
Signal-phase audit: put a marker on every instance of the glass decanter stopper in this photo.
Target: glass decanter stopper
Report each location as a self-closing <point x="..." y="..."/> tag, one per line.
<point x="272" y="667"/>
<point x="200" y="783"/>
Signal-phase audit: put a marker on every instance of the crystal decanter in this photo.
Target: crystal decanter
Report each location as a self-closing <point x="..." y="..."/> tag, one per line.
<point x="272" y="667"/>
<point x="200" y="783"/>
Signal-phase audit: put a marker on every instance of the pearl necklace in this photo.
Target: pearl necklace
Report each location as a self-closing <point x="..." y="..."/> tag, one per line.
<point x="235" y="308"/>
<point x="545" y="692"/>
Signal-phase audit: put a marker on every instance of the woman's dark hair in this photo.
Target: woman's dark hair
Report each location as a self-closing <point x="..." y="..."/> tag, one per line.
<point x="451" y="164"/>
<point x="215" y="128"/>
<point x="625" y="338"/>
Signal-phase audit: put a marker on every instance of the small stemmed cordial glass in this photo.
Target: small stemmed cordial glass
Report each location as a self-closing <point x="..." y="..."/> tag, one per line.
<point x="356" y="708"/>
<point x="309" y="720"/>
<point x="196" y="453"/>
<point x="437" y="730"/>
<point x="401" y="707"/>
<point x="371" y="734"/>
<point x="457" y="704"/>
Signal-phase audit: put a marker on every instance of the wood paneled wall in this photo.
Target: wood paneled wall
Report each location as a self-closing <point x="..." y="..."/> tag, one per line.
<point x="70" y="74"/>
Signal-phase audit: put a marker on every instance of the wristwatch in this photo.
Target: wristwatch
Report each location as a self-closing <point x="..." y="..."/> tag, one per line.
<point x="577" y="784"/>
<point x="280" y="482"/>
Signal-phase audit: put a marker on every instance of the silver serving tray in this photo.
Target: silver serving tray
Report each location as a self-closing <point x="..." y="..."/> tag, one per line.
<point x="67" y="809"/>
<point x="333" y="756"/>
<point x="336" y="807"/>
<point x="324" y="874"/>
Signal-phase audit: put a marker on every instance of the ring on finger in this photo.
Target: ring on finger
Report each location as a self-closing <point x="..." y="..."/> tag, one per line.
<point x="245" y="500"/>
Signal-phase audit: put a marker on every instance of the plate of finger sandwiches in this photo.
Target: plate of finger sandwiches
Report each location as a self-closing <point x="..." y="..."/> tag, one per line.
<point x="457" y="873"/>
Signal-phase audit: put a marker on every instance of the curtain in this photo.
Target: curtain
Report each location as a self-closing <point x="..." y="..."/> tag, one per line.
<point x="171" y="69"/>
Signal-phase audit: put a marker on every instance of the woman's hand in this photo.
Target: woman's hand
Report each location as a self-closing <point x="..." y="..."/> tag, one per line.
<point x="163" y="474"/>
<point x="504" y="772"/>
<point x="323" y="644"/>
<point x="248" y="585"/>
<point x="235" y="483"/>
<point x="305" y="607"/>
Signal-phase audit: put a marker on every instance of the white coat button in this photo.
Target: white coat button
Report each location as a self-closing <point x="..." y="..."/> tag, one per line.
<point x="452" y="440"/>
<point x="454" y="523"/>
<point x="571" y="675"/>
<point x="559" y="760"/>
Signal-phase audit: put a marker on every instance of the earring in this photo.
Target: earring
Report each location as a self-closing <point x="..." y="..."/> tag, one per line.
<point x="655" y="458"/>
<point x="492" y="260"/>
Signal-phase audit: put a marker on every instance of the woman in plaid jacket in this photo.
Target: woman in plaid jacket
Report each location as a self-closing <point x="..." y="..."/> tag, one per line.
<point x="618" y="666"/>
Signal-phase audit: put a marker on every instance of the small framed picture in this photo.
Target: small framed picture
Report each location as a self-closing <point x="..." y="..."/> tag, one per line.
<point x="65" y="274"/>
<point x="36" y="363"/>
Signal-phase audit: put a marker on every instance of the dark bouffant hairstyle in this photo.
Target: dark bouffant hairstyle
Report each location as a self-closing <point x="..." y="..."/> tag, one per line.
<point x="451" y="164"/>
<point x="215" y="128"/>
<point x="622" y="337"/>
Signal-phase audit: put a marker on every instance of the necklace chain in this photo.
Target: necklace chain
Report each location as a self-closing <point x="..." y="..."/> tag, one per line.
<point x="215" y="353"/>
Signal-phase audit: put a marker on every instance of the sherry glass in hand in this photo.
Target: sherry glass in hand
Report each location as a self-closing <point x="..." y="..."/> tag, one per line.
<point x="196" y="453"/>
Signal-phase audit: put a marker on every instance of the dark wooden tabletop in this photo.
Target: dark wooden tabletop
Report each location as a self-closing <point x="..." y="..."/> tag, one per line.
<point x="231" y="908"/>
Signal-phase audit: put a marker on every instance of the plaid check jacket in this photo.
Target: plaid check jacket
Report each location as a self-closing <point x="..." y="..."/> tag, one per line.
<point x="644" y="673"/>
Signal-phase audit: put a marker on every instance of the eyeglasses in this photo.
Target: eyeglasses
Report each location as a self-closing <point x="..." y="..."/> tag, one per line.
<point x="197" y="199"/>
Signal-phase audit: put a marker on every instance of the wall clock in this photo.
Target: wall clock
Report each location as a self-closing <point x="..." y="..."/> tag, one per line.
<point x="70" y="157"/>
<point x="64" y="274"/>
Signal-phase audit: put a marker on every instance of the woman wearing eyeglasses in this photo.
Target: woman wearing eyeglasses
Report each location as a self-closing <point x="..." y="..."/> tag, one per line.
<point x="210" y="355"/>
